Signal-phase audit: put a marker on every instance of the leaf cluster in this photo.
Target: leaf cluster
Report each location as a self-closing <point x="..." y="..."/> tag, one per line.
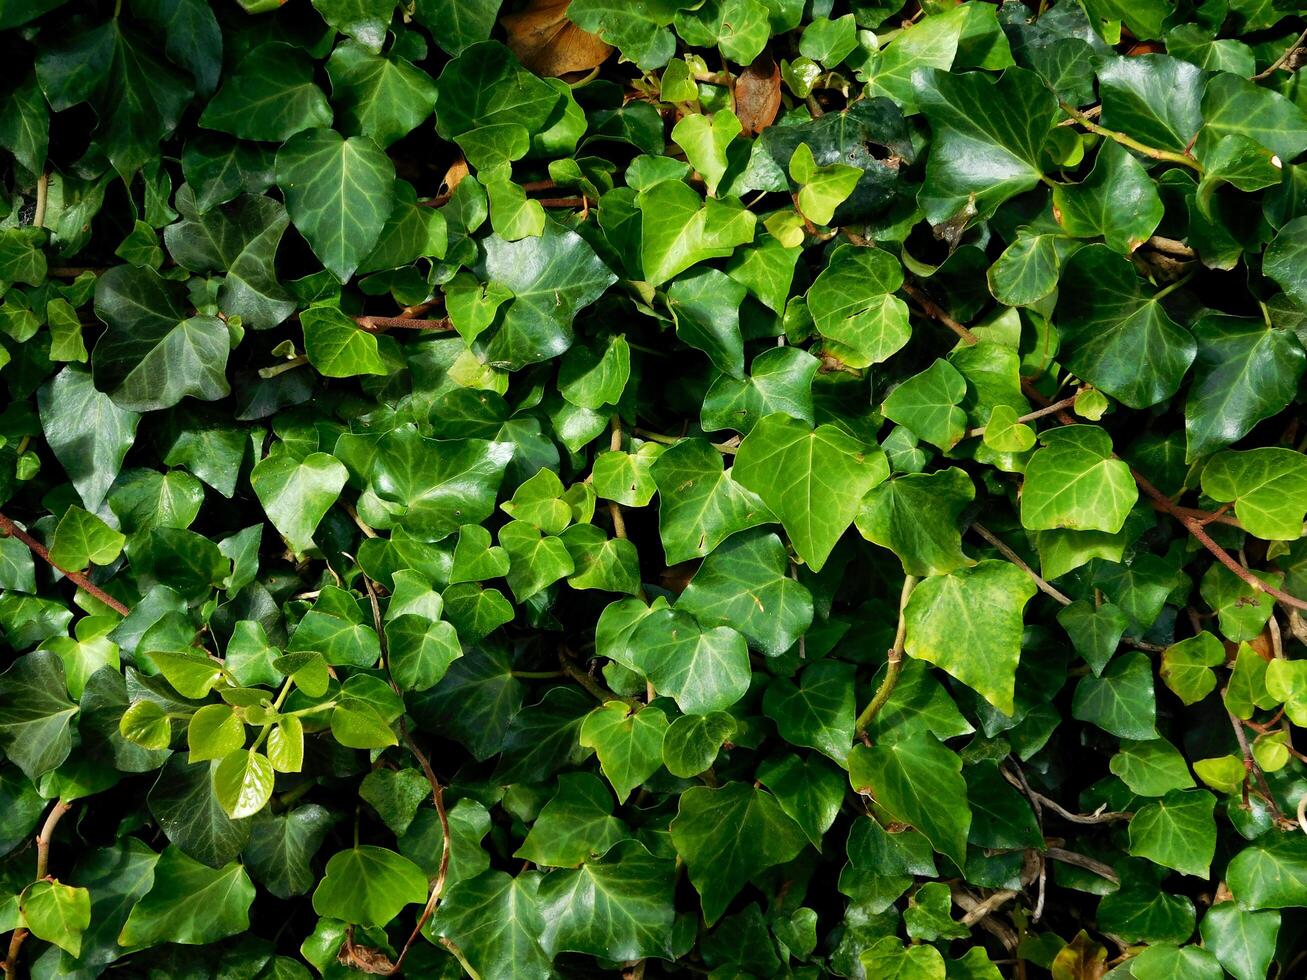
<point x="737" y="487"/>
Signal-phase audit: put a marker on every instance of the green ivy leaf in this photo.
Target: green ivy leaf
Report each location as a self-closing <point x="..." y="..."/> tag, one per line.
<point x="1076" y="482"/>
<point x="338" y="192"/>
<point x="619" y="906"/>
<point x="190" y="903"/>
<point x="1267" y="486"/>
<point x="1112" y="324"/>
<point x="708" y="828"/>
<point x="369" y="886"/>
<point x="153" y="355"/>
<point x="918" y="781"/>
<point x="1177" y="831"/>
<point x="968" y="623"/>
<point x="700" y="503"/>
<point x="988" y="140"/>
<point x="831" y="472"/>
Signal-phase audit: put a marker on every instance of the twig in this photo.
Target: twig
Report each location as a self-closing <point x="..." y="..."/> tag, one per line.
<point x="969" y="902"/>
<point x="42" y="869"/>
<point x="894" y="665"/>
<point x="73" y="271"/>
<point x="1098" y="816"/>
<point x="982" y="909"/>
<point x="438" y="886"/>
<point x="1030" y="416"/>
<point x="9" y="529"/>
<point x="1195" y="527"/>
<point x="437" y="791"/>
<point x="1171" y="247"/>
<point x="584" y="679"/>
<point x="1092" y="112"/>
<point x="1017" y="560"/>
<point x="1128" y="141"/>
<point x="1082" y="861"/>
<point x="1251" y="767"/>
<point x="1279" y="62"/>
<point x="937" y="312"/>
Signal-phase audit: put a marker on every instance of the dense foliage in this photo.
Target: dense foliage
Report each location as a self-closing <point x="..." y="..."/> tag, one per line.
<point x="741" y="487"/>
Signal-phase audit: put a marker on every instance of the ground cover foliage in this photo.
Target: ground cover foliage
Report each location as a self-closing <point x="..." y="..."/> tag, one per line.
<point x="744" y="488"/>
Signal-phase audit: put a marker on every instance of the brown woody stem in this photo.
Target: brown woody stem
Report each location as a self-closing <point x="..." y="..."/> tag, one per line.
<point x="9" y="529"/>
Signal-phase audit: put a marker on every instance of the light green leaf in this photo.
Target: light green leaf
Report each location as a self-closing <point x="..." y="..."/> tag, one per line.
<point x="968" y="623"/>
<point x="704" y="670"/>
<point x="337" y="346"/>
<point x="296" y="494"/>
<point x="82" y="539"/>
<point x="679" y="229"/>
<point x="1075" y="482"/>
<point x="918" y="781"/>
<point x="57" y="913"/>
<point x="368" y="886"/>
<point x="928" y="404"/>
<point x="851" y="303"/>
<point x="1268" y="487"/>
<point x="1177" y="832"/>
<point x="826" y="474"/>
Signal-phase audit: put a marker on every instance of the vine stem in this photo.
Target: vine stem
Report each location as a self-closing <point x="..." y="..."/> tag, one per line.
<point x="1047" y="588"/>
<point x="437" y="793"/>
<point x="1278" y="63"/>
<point x="42" y="869"/>
<point x="11" y="530"/>
<point x="936" y="312"/>
<point x="1192" y="523"/>
<point x="1017" y="560"/>
<point x="1195" y="528"/>
<point x="1030" y="416"/>
<point x="894" y="665"/>
<point x="1128" y="141"/>
<point x="375" y="324"/>
<point x="42" y="194"/>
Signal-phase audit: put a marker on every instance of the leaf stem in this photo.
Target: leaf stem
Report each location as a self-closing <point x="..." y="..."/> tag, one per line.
<point x="1169" y="288"/>
<point x="42" y="192"/>
<point x="1129" y="141"/>
<point x="11" y="530"/>
<point x="276" y="369"/>
<point x="893" y="666"/>
<point x="1195" y="527"/>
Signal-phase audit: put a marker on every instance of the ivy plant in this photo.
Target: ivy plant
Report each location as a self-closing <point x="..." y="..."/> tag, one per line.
<point x="778" y="488"/>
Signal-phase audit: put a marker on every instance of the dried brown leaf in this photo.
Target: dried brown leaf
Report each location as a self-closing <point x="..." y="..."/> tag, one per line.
<point x="758" y="94"/>
<point x="549" y="44"/>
